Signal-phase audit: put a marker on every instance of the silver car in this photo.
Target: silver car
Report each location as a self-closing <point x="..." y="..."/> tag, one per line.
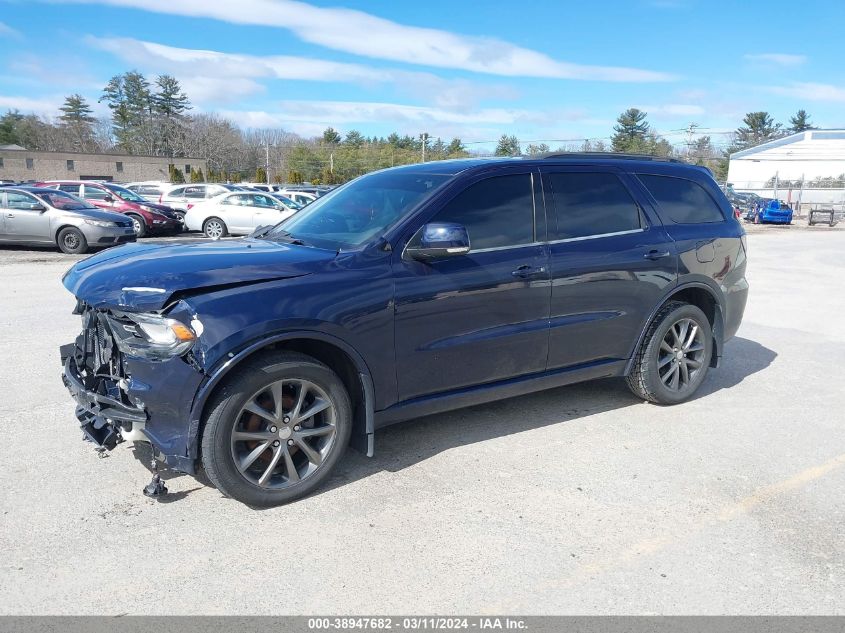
<point x="32" y="215"/>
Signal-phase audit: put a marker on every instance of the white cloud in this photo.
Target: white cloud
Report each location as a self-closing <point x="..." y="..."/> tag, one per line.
<point x="673" y="109"/>
<point x="777" y="59"/>
<point x="48" y="106"/>
<point x="810" y="91"/>
<point x="8" y="31"/>
<point x="212" y="76"/>
<point x="367" y="35"/>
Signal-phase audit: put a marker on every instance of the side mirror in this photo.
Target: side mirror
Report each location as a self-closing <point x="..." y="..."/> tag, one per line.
<point x="439" y="240"/>
<point x="34" y="206"/>
<point x="108" y="199"/>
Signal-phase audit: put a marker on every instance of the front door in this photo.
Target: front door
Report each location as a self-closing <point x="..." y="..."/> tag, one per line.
<point x="611" y="262"/>
<point x="481" y="317"/>
<point x="25" y="218"/>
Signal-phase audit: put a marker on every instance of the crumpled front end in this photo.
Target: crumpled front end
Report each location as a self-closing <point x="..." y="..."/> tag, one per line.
<point x="111" y="389"/>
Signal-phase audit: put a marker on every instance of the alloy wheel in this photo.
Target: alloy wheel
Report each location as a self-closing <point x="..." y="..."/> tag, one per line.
<point x="681" y="355"/>
<point x="136" y="225"/>
<point x="284" y="433"/>
<point x="214" y="229"/>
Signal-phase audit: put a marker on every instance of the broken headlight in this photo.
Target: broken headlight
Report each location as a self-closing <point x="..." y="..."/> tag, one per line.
<point x="151" y="336"/>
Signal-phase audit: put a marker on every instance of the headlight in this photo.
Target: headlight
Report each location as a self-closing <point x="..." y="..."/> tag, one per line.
<point x="103" y="223"/>
<point x="151" y="336"/>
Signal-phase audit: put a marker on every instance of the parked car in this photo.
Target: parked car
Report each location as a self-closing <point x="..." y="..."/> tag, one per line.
<point x="260" y="186"/>
<point x="150" y="190"/>
<point x="183" y="197"/>
<point x="148" y="218"/>
<point x="236" y="213"/>
<point x="406" y="292"/>
<point x="769" y="211"/>
<point x="290" y="204"/>
<point x="300" y="197"/>
<point x="39" y="216"/>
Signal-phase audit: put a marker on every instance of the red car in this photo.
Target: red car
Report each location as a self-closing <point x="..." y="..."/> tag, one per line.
<point x="147" y="217"/>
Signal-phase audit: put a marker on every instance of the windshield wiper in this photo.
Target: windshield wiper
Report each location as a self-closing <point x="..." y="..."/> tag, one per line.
<point x="284" y="236"/>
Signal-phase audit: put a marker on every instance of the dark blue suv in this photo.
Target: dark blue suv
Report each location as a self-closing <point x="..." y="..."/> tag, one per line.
<point x="406" y="292"/>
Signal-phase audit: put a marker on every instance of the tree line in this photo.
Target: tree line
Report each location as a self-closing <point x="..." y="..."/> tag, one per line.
<point x="152" y="116"/>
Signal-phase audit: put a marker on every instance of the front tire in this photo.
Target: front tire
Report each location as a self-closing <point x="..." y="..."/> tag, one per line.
<point x="71" y="241"/>
<point x="138" y="224"/>
<point x="674" y="357"/>
<point x="215" y="228"/>
<point x="276" y="429"/>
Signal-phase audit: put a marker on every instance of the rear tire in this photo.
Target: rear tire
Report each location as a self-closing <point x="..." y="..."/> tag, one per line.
<point x="138" y="224"/>
<point x="72" y="241"/>
<point x="266" y="454"/>
<point x="215" y="228"/>
<point x="674" y="357"/>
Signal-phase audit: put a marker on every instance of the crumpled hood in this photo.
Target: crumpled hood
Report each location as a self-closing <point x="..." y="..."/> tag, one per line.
<point x="143" y="276"/>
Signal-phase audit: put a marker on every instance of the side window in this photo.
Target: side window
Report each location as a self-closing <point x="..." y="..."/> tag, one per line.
<point x="94" y="193"/>
<point x="496" y="212"/>
<point x="682" y="201"/>
<point x="587" y="204"/>
<point x="179" y="192"/>
<point x="74" y="189"/>
<point x="195" y="192"/>
<point x="21" y="201"/>
<point x="233" y="199"/>
<point x="262" y="201"/>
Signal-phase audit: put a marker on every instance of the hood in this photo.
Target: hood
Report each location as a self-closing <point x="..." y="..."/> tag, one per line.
<point x="143" y="276"/>
<point x="154" y="206"/>
<point x="96" y="214"/>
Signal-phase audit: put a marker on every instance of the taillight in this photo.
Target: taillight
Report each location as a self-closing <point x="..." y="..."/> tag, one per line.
<point x="189" y="205"/>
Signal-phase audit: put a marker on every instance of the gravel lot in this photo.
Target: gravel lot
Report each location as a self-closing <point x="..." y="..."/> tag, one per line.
<point x="579" y="500"/>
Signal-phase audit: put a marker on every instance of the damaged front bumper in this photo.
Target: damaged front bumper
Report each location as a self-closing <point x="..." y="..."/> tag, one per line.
<point x="103" y="418"/>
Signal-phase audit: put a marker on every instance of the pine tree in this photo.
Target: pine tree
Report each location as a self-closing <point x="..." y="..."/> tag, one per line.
<point x="508" y="146"/>
<point x="534" y="150"/>
<point x="77" y="120"/>
<point x="260" y="175"/>
<point x="758" y="128"/>
<point x="800" y="122"/>
<point x="631" y="131"/>
<point x="196" y="175"/>
<point x="170" y="105"/>
<point x="354" y="139"/>
<point x="331" y="136"/>
<point x="456" y="148"/>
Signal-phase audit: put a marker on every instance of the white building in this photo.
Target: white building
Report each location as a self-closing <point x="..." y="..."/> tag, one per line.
<point x="809" y="157"/>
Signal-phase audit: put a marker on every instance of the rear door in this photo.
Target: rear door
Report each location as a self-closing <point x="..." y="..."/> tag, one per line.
<point x="610" y="264"/>
<point x="480" y="317"/>
<point x="705" y="234"/>
<point x="97" y="195"/>
<point x="25" y="218"/>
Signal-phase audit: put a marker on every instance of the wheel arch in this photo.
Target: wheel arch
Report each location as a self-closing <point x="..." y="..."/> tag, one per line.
<point x="700" y="295"/>
<point x="342" y="358"/>
<point x="61" y="228"/>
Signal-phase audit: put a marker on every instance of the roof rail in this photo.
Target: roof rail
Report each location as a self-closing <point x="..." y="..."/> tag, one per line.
<point x="615" y="155"/>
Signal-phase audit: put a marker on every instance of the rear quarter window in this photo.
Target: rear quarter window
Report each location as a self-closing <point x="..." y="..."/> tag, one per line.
<point x="682" y="201"/>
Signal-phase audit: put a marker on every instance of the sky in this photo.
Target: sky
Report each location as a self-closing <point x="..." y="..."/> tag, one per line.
<point x="543" y="70"/>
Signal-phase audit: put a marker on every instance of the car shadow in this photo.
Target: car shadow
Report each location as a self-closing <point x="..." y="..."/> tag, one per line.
<point x="414" y="441"/>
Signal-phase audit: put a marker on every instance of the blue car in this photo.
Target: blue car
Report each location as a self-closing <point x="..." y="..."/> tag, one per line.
<point x="770" y="212"/>
<point x="406" y="292"/>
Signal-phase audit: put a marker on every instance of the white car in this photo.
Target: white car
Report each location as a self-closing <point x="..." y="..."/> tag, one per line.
<point x="301" y="197"/>
<point x="236" y="213"/>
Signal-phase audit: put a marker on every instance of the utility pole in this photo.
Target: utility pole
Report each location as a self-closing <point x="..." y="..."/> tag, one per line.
<point x="691" y="128"/>
<point x="424" y="139"/>
<point x="267" y="160"/>
<point x="331" y="163"/>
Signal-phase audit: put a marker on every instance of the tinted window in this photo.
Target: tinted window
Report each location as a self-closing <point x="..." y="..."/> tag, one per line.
<point x="496" y="212"/>
<point x="177" y="193"/>
<point x="74" y="189"/>
<point x="94" y="193"/>
<point x="682" y="201"/>
<point x="591" y="204"/>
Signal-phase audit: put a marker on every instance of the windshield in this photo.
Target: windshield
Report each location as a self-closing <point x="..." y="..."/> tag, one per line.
<point x="62" y="200"/>
<point x="126" y="194"/>
<point x="288" y="202"/>
<point x="364" y="208"/>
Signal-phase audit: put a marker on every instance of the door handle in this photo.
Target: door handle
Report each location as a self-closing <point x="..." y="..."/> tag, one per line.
<point x="655" y="254"/>
<point x="525" y="271"/>
<point x="10" y="215"/>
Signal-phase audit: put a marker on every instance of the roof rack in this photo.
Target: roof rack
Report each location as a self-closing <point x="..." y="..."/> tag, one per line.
<point x="614" y="155"/>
